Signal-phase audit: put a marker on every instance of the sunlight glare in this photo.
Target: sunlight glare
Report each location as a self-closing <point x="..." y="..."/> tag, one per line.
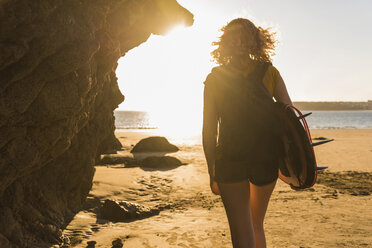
<point x="165" y="75"/>
<point x="175" y="29"/>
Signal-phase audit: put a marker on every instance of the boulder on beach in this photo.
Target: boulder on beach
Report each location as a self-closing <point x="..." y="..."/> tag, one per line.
<point x="114" y="159"/>
<point x="117" y="243"/>
<point x="154" y="144"/>
<point x="91" y="244"/>
<point x="156" y="162"/>
<point x="164" y="162"/>
<point x="124" y="211"/>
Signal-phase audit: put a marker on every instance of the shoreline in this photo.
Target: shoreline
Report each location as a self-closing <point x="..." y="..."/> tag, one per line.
<point x="121" y="130"/>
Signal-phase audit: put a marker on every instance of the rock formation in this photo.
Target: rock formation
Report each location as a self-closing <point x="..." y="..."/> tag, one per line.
<point x="58" y="90"/>
<point x="163" y="162"/>
<point x="126" y="211"/>
<point x="115" y="159"/>
<point x="154" y="144"/>
<point x="148" y="160"/>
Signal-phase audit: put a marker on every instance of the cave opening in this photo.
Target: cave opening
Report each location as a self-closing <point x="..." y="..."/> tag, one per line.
<point x="162" y="81"/>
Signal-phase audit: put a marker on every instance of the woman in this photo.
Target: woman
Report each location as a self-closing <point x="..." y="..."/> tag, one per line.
<point x="241" y="135"/>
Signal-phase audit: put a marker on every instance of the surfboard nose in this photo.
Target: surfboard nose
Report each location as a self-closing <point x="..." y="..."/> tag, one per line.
<point x="304" y="115"/>
<point x="321" y="168"/>
<point x="321" y="142"/>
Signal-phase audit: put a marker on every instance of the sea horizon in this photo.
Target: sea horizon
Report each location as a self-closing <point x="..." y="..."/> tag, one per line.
<point x="187" y="130"/>
<point x="319" y="119"/>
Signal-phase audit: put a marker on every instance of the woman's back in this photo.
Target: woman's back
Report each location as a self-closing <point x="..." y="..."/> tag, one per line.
<point x="248" y="128"/>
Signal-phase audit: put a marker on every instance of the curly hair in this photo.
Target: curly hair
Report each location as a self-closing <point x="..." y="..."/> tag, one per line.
<point x="242" y="40"/>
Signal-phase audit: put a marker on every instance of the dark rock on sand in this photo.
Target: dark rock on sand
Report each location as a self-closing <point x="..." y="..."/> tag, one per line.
<point x="58" y="91"/>
<point x="91" y="244"/>
<point x="156" y="162"/>
<point x="117" y="243"/>
<point x="154" y="144"/>
<point x="124" y="211"/>
<point x="164" y="162"/>
<point x="113" y="159"/>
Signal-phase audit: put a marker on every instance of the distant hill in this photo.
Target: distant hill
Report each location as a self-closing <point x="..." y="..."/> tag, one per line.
<point x="334" y="105"/>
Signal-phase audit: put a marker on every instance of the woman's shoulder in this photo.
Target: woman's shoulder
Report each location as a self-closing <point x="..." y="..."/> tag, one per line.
<point x="273" y="71"/>
<point x="271" y="78"/>
<point x="215" y="74"/>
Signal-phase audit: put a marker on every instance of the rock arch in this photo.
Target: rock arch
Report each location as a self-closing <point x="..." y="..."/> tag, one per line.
<point x="58" y="90"/>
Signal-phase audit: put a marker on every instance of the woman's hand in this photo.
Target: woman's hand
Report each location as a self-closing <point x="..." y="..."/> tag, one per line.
<point x="214" y="186"/>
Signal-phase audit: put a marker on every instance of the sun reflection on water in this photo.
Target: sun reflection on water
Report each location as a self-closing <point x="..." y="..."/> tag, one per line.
<point x="180" y="127"/>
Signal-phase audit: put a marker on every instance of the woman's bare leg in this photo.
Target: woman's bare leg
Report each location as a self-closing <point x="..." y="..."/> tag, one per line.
<point x="259" y="198"/>
<point x="235" y="197"/>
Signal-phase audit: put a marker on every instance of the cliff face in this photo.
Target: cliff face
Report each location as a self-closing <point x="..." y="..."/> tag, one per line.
<point x="58" y="90"/>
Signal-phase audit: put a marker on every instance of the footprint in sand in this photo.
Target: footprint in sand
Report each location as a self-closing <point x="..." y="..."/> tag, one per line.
<point x="151" y="185"/>
<point x="95" y="227"/>
<point x="172" y="239"/>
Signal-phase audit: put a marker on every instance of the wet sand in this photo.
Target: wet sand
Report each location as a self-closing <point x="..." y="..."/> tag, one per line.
<point x="334" y="213"/>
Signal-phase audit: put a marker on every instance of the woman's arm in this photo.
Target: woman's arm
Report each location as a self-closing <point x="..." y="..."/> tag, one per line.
<point x="281" y="93"/>
<point x="209" y="135"/>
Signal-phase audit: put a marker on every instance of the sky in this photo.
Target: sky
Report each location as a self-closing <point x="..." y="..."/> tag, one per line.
<point x="323" y="54"/>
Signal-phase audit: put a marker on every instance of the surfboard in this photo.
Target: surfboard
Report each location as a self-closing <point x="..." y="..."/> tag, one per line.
<point x="298" y="168"/>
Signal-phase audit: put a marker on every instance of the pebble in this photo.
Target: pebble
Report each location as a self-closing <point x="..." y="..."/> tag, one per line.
<point x="91" y="244"/>
<point x="117" y="243"/>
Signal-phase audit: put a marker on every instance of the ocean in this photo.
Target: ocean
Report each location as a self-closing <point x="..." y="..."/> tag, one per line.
<point x="187" y="129"/>
<point x="133" y="120"/>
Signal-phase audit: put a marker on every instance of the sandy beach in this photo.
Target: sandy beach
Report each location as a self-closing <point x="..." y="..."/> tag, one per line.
<point x="336" y="212"/>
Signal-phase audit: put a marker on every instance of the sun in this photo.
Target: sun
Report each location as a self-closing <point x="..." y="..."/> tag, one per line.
<point x="165" y="76"/>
